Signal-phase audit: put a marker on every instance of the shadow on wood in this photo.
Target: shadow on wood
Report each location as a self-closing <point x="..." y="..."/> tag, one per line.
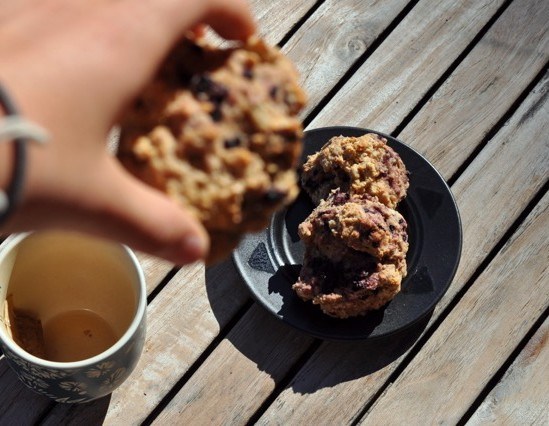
<point x="338" y="362"/>
<point x="21" y="405"/>
<point x="290" y="356"/>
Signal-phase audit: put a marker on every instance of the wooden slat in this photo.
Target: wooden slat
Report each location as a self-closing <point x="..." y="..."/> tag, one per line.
<point x="522" y="395"/>
<point x="518" y="175"/>
<point x="478" y="335"/>
<point x="213" y="395"/>
<point x="333" y="38"/>
<point x="19" y="404"/>
<point x="154" y="269"/>
<point x="483" y="87"/>
<point x="275" y="19"/>
<point x="399" y="73"/>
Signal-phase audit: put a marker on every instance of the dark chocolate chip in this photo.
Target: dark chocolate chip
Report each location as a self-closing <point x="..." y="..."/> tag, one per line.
<point x="287" y="135"/>
<point x="139" y="103"/>
<point x="340" y="198"/>
<point x="248" y="73"/>
<point x="196" y="49"/>
<point x="232" y="143"/>
<point x="273" y="92"/>
<point x="217" y="114"/>
<point x="203" y="83"/>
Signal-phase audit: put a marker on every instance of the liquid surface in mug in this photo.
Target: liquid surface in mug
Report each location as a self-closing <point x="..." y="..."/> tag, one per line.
<point x="76" y="335"/>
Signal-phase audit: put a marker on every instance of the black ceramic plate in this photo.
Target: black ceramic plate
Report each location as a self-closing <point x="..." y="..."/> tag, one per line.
<point x="269" y="261"/>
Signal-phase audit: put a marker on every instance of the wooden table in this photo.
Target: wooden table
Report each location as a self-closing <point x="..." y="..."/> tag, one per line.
<point x="463" y="82"/>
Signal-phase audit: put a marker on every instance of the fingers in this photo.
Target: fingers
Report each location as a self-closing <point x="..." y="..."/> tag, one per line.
<point x="231" y="19"/>
<point x="127" y="40"/>
<point x="148" y="221"/>
<point x="109" y="203"/>
<point x="150" y="28"/>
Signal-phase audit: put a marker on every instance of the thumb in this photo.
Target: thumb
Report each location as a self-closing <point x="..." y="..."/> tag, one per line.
<point x="147" y="220"/>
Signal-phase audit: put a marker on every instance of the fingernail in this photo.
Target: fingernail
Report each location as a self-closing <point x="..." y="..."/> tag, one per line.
<point x="194" y="247"/>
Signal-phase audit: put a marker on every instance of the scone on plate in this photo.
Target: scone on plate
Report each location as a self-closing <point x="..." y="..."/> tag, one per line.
<point x="354" y="286"/>
<point x="360" y="224"/>
<point x="355" y="255"/>
<point x="361" y="166"/>
<point x="218" y="131"/>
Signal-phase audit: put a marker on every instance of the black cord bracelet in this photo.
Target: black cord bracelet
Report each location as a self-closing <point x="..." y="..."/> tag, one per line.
<point x="14" y="190"/>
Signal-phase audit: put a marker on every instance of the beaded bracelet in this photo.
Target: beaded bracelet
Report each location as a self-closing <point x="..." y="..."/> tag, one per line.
<point x="18" y="130"/>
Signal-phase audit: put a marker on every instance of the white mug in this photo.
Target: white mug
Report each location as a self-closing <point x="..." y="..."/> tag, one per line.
<point x="72" y="313"/>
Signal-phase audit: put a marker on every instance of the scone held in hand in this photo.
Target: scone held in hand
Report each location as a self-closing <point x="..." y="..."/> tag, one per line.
<point x="218" y="131"/>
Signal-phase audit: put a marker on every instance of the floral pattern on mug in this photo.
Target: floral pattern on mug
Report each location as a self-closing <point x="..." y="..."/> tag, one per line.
<point x="76" y="387"/>
<point x="100" y="369"/>
<point x="53" y="383"/>
<point x="115" y="378"/>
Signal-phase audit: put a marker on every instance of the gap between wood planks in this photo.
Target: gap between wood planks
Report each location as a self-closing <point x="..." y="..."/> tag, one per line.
<point x="300" y="22"/>
<point x="196" y="365"/>
<point x="314" y="346"/>
<point x="163" y="283"/>
<point x="377" y="42"/>
<point x="359" y="62"/>
<point x="414" y="111"/>
<point x="503" y="369"/>
<point x="499" y="124"/>
<point x="432" y="329"/>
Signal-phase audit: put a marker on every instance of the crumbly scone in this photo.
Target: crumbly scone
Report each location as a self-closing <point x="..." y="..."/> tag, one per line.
<point x="218" y="132"/>
<point x="361" y="166"/>
<point x="358" y="223"/>
<point x="355" y="255"/>
<point x="354" y="285"/>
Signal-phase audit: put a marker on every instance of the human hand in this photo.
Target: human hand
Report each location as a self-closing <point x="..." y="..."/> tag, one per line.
<point x="73" y="67"/>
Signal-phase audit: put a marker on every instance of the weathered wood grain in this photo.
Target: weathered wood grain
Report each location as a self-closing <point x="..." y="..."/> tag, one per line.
<point x="503" y="171"/>
<point x="276" y="18"/>
<point x="484" y="86"/>
<point x="227" y="408"/>
<point x="333" y="38"/>
<point x="19" y="405"/>
<point x="522" y="395"/>
<point x="401" y="71"/>
<point x="213" y="395"/>
<point x="154" y="269"/>
<point x="478" y="335"/>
